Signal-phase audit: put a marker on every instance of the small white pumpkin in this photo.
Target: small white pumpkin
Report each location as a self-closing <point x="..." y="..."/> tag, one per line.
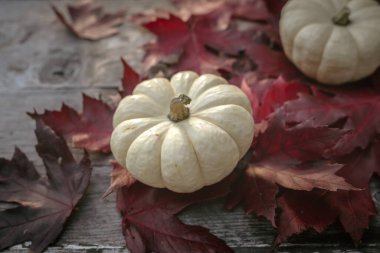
<point x="333" y="41"/>
<point x="163" y="143"/>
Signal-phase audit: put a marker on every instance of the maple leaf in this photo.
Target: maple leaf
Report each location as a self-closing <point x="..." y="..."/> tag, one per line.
<point x="189" y="40"/>
<point x="90" y="130"/>
<point x="279" y="92"/>
<point x="302" y="210"/>
<point x="149" y="222"/>
<point x="130" y="79"/>
<point x="120" y="177"/>
<point x="272" y="63"/>
<point x="88" y="21"/>
<point x="359" y="109"/>
<point x="267" y="95"/>
<point x="44" y="203"/>
<point x="257" y="195"/>
<point x="290" y="157"/>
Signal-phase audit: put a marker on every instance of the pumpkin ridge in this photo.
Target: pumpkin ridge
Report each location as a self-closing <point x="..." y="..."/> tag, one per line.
<point x="358" y="59"/>
<point x="233" y="91"/>
<point x="325" y="8"/>
<point x="324" y="52"/>
<point x="162" y="137"/>
<point x="145" y="128"/>
<point x="222" y="129"/>
<point x="215" y="78"/>
<point x="141" y="88"/>
<point x="165" y="183"/>
<point x="153" y="101"/>
<point x="196" y="156"/>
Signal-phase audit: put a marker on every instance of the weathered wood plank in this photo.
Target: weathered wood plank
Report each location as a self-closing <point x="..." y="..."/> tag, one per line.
<point x="42" y="65"/>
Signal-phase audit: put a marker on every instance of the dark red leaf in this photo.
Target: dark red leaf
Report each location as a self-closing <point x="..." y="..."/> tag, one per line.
<point x="275" y="6"/>
<point x="90" y="130"/>
<point x="187" y="41"/>
<point x="359" y="108"/>
<point x="88" y="20"/>
<point x="130" y="79"/>
<point x="279" y="92"/>
<point x="300" y="143"/>
<point x="44" y="203"/>
<point x="302" y="210"/>
<point x="257" y="195"/>
<point x="149" y="222"/>
<point x="290" y="157"/>
<point x="272" y="63"/>
<point x="352" y="208"/>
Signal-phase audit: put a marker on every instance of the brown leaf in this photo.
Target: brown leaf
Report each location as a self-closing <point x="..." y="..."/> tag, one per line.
<point x="120" y="177"/>
<point x="321" y="176"/>
<point x="88" y="20"/>
<point x="44" y="203"/>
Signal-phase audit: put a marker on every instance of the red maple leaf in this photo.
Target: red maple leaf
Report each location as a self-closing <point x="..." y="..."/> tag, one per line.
<point x="188" y="41"/>
<point x="44" y="203"/>
<point x="92" y="128"/>
<point x="302" y="210"/>
<point x="272" y="63"/>
<point x="358" y="108"/>
<point x="130" y="79"/>
<point x="149" y="221"/>
<point x="82" y="130"/>
<point x="290" y="157"/>
<point x="88" y="21"/>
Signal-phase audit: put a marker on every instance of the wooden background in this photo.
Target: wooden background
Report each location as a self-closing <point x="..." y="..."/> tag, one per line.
<point x="42" y="66"/>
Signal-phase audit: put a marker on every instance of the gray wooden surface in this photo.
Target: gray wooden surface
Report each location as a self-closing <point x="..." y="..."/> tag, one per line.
<point x="42" y="65"/>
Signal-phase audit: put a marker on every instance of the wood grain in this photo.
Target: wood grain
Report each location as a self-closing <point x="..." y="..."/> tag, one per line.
<point x="42" y="66"/>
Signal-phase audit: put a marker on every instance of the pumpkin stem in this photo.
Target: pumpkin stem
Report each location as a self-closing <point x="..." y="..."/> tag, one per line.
<point x="178" y="110"/>
<point x="342" y="18"/>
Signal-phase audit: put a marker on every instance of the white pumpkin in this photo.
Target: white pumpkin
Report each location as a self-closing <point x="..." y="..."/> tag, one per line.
<point x="333" y="41"/>
<point x="163" y="143"/>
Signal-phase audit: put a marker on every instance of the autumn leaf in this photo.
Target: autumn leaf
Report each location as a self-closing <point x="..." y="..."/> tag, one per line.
<point x="275" y="95"/>
<point x="290" y="157"/>
<point x="120" y="177"/>
<point x="358" y="108"/>
<point x="43" y="203"/>
<point x="256" y="194"/>
<point x="186" y="42"/>
<point x="149" y="221"/>
<point x="92" y="128"/>
<point x="88" y="20"/>
<point x="83" y="130"/>
<point x="302" y="210"/>
<point x="130" y="79"/>
<point x="272" y="63"/>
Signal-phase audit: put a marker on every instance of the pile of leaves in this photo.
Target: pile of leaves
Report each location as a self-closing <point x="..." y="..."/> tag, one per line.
<point x="315" y="151"/>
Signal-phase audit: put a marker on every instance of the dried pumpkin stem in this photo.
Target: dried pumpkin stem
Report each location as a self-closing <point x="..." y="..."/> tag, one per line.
<point x="342" y="18"/>
<point x="178" y="110"/>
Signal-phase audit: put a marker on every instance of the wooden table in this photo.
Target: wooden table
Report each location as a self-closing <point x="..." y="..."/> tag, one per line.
<point x="42" y="66"/>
